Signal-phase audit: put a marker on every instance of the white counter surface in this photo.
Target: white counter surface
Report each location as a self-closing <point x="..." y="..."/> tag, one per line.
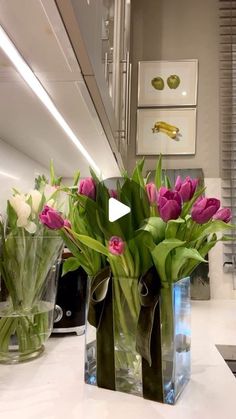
<point x="52" y="386"/>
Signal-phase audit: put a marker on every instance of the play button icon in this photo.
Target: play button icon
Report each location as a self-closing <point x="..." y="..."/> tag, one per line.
<point x="116" y="209"/>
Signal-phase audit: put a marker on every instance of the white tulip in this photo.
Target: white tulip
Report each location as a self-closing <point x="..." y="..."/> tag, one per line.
<point x="36" y="197"/>
<point x="22" y="209"/>
<point x="23" y="212"/>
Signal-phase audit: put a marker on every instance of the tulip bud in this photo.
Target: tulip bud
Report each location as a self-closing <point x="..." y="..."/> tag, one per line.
<point x="224" y="214"/>
<point x="51" y="218"/>
<point x="186" y="187"/>
<point x="87" y="187"/>
<point x="169" y="204"/>
<point x="151" y="193"/>
<point x="116" y="245"/>
<point x="204" y="209"/>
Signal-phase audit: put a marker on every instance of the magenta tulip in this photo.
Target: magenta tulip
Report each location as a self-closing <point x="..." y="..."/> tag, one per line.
<point x="169" y="204"/>
<point x="87" y="187"/>
<point x="116" y="245"/>
<point x="113" y="193"/>
<point x="51" y="218"/>
<point x="186" y="187"/>
<point x="223" y="214"/>
<point x="67" y="223"/>
<point x="204" y="209"/>
<point x="151" y="193"/>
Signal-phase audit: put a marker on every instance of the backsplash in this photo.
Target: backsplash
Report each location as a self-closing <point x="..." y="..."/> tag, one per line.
<point x="16" y="170"/>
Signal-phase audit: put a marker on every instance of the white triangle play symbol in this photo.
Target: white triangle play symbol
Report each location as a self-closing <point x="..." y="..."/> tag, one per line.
<point x="116" y="209"/>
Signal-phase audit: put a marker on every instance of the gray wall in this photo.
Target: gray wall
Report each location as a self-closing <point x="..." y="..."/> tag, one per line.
<point x="181" y="29"/>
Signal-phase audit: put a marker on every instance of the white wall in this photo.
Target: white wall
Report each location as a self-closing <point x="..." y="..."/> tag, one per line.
<point x="22" y="169"/>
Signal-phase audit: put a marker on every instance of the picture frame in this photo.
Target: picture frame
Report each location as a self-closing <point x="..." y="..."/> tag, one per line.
<point x="167" y="83"/>
<point x="166" y="139"/>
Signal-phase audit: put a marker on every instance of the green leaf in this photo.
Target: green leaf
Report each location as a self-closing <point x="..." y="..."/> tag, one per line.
<point x="179" y="259"/>
<point x="94" y="176"/>
<point x="135" y="197"/>
<point x="76" y="178"/>
<point x="11" y="216"/>
<point x="70" y="265"/>
<point x="91" y="243"/>
<point x="156" y="227"/>
<point x="140" y="247"/>
<point x="167" y="183"/>
<point x="203" y="251"/>
<point x="137" y="173"/>
<point x="158" y="174"/>
<point x="160" y="254"/>
<point x="215" y="226"/>
<point x="52" y="173"/>
<point x="147" y="177"/>
<point x="172" y="227"/>
<point x="72" y="246"/>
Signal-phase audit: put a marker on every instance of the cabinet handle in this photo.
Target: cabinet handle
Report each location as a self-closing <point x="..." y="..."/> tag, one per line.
<point x="106" y="64"/>
<point x="127" y="97"/>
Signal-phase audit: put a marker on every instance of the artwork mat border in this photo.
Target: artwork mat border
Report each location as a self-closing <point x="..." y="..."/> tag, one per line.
<point x="143" y="104"/>
<point x="141" y="153"/>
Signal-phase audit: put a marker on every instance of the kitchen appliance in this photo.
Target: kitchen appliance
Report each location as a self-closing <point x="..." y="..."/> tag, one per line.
<point x="69" y="312"/>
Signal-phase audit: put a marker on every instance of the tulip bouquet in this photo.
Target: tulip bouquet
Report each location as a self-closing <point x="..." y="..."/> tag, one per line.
<point x="27" y="253"/>
<point x="139" y="258"/>
<point x="171" y="228"/>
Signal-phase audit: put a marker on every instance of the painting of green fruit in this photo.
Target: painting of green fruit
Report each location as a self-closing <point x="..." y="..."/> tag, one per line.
<point x="158" y="83"/>
<point x="173" y="81"/>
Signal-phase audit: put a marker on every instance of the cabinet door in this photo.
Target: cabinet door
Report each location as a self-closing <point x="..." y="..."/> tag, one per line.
<point x="123" y="81"/>
<point x="91" y="28"/>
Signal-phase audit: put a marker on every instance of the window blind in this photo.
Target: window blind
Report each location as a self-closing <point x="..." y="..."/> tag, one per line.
<point x="227" y="21"/>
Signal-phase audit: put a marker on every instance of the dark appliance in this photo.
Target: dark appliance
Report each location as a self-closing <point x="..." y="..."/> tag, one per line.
<point x="69" y="313"/>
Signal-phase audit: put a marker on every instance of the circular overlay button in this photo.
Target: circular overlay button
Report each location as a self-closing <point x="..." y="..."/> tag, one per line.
<point x="120" y="209"/>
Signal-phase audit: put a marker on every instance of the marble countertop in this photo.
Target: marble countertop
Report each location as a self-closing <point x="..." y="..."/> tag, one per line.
<point x="52" y="386"/>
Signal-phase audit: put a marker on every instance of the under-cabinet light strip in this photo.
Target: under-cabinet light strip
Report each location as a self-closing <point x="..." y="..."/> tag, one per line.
<point x="27" y="74"/>
<point x="8" y="175"/>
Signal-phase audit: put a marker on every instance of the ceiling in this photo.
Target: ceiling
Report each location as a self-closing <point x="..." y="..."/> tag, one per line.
<point x="36" y="29"/>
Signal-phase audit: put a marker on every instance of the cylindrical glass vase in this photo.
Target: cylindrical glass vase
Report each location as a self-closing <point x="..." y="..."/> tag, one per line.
<point x="28" y="281"/>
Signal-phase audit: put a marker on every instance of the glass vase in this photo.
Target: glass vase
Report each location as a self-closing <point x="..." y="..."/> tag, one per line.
<point x="29" y="270"/>
<point x="175" y="310"/>
<point x="165" y="377"/>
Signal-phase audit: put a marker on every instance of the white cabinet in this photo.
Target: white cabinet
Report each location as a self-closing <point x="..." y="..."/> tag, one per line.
<point x="40" y="36"/>
<point x="99" y="33"/>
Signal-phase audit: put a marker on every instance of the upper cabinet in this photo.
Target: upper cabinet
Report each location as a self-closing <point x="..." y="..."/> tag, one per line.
<point x="37" y="30"/>
<point x="99" y="33"/>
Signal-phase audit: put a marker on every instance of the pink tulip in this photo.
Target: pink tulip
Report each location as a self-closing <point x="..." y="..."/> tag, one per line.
<point x="204" y="209"/>
<point x="151" y="193"/>
<point x="186" y="187"/>
<point x="169" y="204"/>
<point x="223" y="214"/>
<point x="113" y="193"/>
<point x="116" y="245"/>
<point x="51" y="218"/>
<point x="87" y="187"/>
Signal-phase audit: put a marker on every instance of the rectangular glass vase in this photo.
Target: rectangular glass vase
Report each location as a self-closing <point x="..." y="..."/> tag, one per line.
<point x="111" y="357"/>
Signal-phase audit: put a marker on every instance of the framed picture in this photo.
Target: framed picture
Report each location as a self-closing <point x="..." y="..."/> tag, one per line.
<point x="167" y="83"/>
<point x="166" y="131"/>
